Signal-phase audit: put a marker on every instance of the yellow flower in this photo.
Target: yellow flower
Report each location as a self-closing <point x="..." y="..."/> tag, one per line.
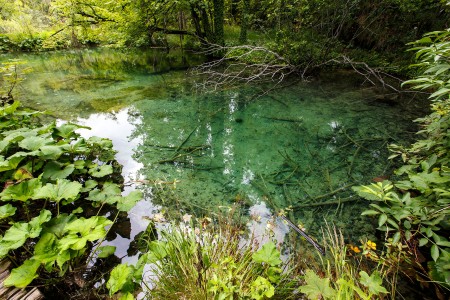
<point x="355" y="249"/>
<point x="371" y="245"/>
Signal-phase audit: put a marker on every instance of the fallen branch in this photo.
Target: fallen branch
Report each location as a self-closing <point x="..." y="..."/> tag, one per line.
<point x="334" y="202"/>
<point x="283" y="119"/>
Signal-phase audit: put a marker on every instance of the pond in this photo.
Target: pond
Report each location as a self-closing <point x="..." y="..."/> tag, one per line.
<point x="300" y="147"/>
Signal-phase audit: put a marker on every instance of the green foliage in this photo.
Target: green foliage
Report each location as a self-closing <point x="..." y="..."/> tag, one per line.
<point x="268" y="254"/>
<point x="316" y="287"/>
<point x="205" y="264"/>
<point x="414" y="210"/>
<point x="49" y="172"/>
<point x="344" y="276"/>
<point x="433" y="65"/>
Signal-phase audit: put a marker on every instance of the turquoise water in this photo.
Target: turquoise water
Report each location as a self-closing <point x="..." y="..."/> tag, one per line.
<point x="198" y="153"/>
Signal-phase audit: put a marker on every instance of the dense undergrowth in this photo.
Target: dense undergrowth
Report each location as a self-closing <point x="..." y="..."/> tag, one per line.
<point x="57" y="190"/>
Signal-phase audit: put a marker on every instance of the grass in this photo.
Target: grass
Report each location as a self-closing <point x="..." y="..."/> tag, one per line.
<point x="207" y="261"/>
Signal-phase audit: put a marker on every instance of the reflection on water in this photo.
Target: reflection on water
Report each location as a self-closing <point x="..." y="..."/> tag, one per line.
<point x="300" y="147"/>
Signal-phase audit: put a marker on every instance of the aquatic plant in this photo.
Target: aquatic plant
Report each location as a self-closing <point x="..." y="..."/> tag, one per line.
<point x="52" y="177"/>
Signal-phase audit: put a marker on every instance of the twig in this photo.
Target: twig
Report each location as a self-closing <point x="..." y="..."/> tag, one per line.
<point x="334" y="202"/>
<point x="185" y="141"/>
<point x="334" y="192"/>
<point x="283" y="119"/>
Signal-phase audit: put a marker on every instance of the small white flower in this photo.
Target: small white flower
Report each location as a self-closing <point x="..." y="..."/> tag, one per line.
<point x="158" y="217"/>
<point x="187" y="218"/>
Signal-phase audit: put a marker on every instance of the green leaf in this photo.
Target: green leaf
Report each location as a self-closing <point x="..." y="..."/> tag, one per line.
<point x="10" y="164"/>
<point x="22" y="191"/>
<point x="274" y="274"/>
<point x="34" y="143"/>
<point x="101" y="171"/>
<point x="19" y="232"/>
<point x="268" y="254"/>
<point x="370" y="212"/>
<point x="396" y="238"/>
<point x="63" y="189"/>
<point x="67" y="130"/>
<point x="156" y="251"/>
<point x="51" y="151"/>
<point x="23" y="275"/>
<point x="382" y="219"/>
<point x="423" y="242"/>
<point x="106" y="251"/>
<point x="261" y="288"/>
<point x="316" y="287"/>
<point x="82" y="230"/>
<point x="127" y="296"/>
<point x="373" y="282"/>
<point x="109" y="193"/>
<point x="57" y="225"/>
<point x="440" y="92"/>
<point x="434" y="252"/>
<point x="128" y="202"/>
<point x="36" y="223"/>
<point x="46" y="249"/>
<point x="54" y="170"/>
<point x="7" y="211"/>
<point x="89" y="185"/>
<point x="118" y="278"/>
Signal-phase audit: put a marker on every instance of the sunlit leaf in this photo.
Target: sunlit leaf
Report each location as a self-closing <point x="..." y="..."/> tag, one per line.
<point x="22" y="174"/>
<point x="7" y="211"/>
<point x="89" y="185"/>
<point x="127" y="296"/>
<point x="34" y="143"/>
<point x="22" y="191"/>
<point x="118" y="278"/>
<point x="268" y="254"/>
<point x="373" y="282"/>
<point x="101" y="171"/>
<point x="128" y="202"/>
<point x="106" y="251"/>
<point x="110" y="193"/>
<point x="19" y="232"/>
<point x="22" y="276"/>
<point x="67" y="130"/>
<point x="63" y="189"/>
<point x="261" y="288"/>
<point x="10" y="164"/>
<point x="316" y="287"/>
<point x="51" y="151"/>
<point x="82" y="230"/>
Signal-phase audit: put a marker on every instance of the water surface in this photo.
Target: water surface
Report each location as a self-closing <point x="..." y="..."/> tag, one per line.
<point x="197" y="153"/>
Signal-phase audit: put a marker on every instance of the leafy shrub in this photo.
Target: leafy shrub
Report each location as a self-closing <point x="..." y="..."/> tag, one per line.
<point x="50" y="176"/>
<point x="5" y="44"/>
<point x="414" y="210"/>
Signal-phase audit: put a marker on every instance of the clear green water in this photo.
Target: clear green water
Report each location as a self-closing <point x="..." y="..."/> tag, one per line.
<point x="297" y="146"/>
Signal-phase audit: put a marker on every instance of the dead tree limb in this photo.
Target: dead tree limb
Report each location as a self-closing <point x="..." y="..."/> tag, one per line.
<point x="242" y="64"/>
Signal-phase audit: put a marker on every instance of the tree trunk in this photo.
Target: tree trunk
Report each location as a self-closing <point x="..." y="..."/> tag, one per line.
<point x="218" y="22"/>
<point x="244" y="21"/>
